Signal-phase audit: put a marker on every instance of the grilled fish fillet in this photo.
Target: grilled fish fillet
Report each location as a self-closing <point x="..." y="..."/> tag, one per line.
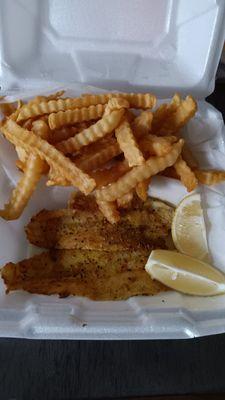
<point x="99" y="275"/>
<point x="142" y="226"/>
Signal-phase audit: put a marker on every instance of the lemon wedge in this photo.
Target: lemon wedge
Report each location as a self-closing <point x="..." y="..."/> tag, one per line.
<point x="188" y="228"/>
<point x="184" y="273"/>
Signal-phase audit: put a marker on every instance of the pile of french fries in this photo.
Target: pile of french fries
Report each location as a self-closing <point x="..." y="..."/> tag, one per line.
<point x="107" y="144"/>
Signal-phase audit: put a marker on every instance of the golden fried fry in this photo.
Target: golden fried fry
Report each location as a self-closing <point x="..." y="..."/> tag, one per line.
<point x="210" y="177"/>
<point x="163" y="112"/>
<point x="22" y="154"/>
<point x="36" y="145"/>
<point x="27" y="124"/>
<point x="64" y="133"/>
<point x="95" y="132"/>
<point x="137" y="174"/>
<point x="40" y="99"/>
<point x="24" y="189"/>
<point x="128" y="145"/>
<point x="109" y="211"/>
<point x="142" y="189"/>
<point x="125" y="200"/>
<point x="16" y="112"/>
<point x="33" y="167"/>
<point x="115" y="103"/>
<point x="41" y="129"/>
<point x="20" y="165"/>
<point x="36" y="109"/>
<point x="130" y="116"/>
<point x="186" y="175"/>
<point x="97" y="154"/>
<point x="170" y="173"/>
<point x="136" y="100"/>
<point x="7" y="108"/>
<point x="56" y="179"/>
<point x="141" y="125"/>
<point x="157" y="145"/>
<point x="183" y="113"/>
<point x="108" y="175"/>
<point x="139" y="100"/>
<point x="187" y="155"/>
<point x="70" y="117"/>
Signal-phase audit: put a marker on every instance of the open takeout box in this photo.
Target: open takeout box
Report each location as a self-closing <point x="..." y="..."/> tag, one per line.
<point x="131" y="45"/>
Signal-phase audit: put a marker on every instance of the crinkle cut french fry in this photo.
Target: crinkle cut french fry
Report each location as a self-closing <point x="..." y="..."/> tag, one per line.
<point x="210" y="177"/>
<point x="41" y="129"/>
<point x="141" y="125"/>
<point x="104" y="150"/>
<point x="22" y="154"/>
<point x="56" y="179"/>
<point x="183" y="113"/>
<point x="115" y="103"/>
<point x="27" y="124"/>
<point x="7" y="108"/>
<point x="157" y="145"/>
<point x="33" y="167"/>
<point x="108" y="175"/>
<point x="170" y="172"/>
<point x="130" y="116"/>
<point x="125" y="200"/>
<point x="109" y="210"/>
<point x="186" y="175"/>
<point x="39" y="99"/>
<point x="97" y="156"/>
<point x="36" y="109"/>
<point x="142" y="189"/>
<point x="15" y="114"/>
<point x="136" y="100"/>
<point x="163" y="112"/>
<point x="95" y="132"/>
<point x="10" y="110"/>
<point x="128" y="145"/>
<point x="188" y="156"/>
<point x="20" y="165"/>
<point x="46" y="151"/>
<point x="137" y="174"/>
<point x="64" y="133"/>
<point x="24" y="189"/>
<point x="70" y="117"/>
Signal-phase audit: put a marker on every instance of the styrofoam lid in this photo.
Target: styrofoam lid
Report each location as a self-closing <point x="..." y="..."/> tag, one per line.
<point x="161" y="45"/>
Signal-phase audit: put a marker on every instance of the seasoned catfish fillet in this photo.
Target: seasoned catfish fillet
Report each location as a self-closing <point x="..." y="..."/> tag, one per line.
<point x="99" y="275"/>
<point x="142" y="226"/>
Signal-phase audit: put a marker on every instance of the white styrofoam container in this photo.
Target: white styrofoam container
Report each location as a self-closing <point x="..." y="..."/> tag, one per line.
<point x="158" y="45"/>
